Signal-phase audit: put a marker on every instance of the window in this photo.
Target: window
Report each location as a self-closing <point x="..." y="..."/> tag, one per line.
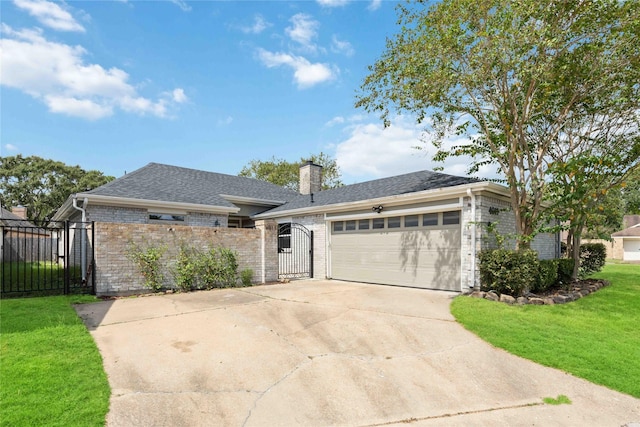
<point x="363" y="224"/>
<point x="351" y="225"/>
<point x="450" y="218"/>
<point x="284" y="237"/>
<point x="378" y="223"/>
<point x="338" y="226"/>
<point x="165" y="217"/>
<point x="394" y="222"/>
<point x="411" y="221"/>
<point x="430" y="219"/>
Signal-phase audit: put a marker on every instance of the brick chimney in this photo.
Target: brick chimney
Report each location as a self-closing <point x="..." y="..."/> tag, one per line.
<point x="310" y="178"/>
<point x="20" y="211"/>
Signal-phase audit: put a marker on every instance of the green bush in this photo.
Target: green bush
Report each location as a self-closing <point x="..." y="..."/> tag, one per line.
<point x="547" y="275"/>
<point x="186" y="269"/>
<point x="508" y="272"/>
<point x="147" y="258"/>
<point x="565" y="271"/>
<point x="246" y="277"/>
<point x="592" y="258"/>
<point x="217" y="268"/>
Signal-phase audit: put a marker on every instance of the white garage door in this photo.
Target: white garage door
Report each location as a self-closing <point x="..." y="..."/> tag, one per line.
<point x="414" y="250"/>
<point x="631" y="250"/>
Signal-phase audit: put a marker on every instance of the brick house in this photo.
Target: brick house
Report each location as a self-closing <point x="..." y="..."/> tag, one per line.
<point x="422" y="229"/>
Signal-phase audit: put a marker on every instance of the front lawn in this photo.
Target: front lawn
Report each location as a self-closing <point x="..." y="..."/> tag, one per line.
<point x="596" y="338"/>
<point x="51" y="370"/>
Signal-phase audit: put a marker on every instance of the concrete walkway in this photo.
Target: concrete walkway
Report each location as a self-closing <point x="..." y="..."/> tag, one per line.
<point x="323" y="353"/>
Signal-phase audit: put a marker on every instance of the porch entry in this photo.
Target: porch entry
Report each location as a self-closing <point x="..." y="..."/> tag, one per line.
<point x="295" y="251"/>
<point x="47" y="259"/>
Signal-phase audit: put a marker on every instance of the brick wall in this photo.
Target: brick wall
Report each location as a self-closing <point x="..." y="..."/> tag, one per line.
<point x="317" y="224"/>
<point x="614" y="248"/>
<point x="116" y="274"/>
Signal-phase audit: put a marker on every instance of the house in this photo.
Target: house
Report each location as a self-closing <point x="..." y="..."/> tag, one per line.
<point x="629" y="238"/>
<point x="421" y="229"/>
<point x="22" y="240"/>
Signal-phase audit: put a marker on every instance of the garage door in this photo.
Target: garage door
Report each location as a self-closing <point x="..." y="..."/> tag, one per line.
<point x="414" y="250"/>
<point x="631" y="250"/>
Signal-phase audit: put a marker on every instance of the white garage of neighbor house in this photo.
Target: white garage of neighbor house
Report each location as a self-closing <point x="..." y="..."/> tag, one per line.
<point x="421" y="229"/>
<point x="630" y="238"/>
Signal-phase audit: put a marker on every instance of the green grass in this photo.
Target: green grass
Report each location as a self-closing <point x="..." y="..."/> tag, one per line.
<point x="51" y="370"/>
<point x="35" y="277"/>
<point x="596" y="338"/>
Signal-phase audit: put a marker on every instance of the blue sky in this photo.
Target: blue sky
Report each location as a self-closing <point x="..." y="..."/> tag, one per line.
<point x="114" y="85"/>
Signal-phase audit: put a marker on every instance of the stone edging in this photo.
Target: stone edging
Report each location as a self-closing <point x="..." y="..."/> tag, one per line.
<point x="577" y="290"/>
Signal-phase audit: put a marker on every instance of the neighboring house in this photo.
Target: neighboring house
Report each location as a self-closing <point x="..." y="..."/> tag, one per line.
<point x="421" y="229"/>
<point x="629" y="238"/>
<point x="22" y="240"/>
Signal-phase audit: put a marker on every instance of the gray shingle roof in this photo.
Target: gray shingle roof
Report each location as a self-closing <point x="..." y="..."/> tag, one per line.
<point x="384" y="187"/>
<point x="633" y="231"/>
<point x="181" y="185"/>
<point x="9" y="219"/>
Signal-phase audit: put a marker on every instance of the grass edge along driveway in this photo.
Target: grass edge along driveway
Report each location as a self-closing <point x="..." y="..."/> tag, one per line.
<point x="51" y="369"/>
<point x="596" y="338"/>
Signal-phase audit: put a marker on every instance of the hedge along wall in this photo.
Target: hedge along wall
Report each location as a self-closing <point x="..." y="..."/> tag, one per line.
<point x="117" y="275"/>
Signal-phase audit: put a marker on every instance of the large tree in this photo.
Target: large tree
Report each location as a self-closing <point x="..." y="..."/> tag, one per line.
<point x="522" y="80"/>
<point x="42" y="185"/>
<point x="287" y="174"/>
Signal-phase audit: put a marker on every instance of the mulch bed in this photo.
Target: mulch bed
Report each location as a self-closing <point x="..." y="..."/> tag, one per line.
<point x="575" y="291"/>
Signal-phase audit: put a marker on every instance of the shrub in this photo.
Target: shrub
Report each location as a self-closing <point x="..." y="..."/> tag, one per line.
<point x="186" y="269"/>
<point x="565" y="271"/>
<point x="246" y="277"/>
<point x="148" y="261"/>
<point x="508" y="272"/>
<point x="547" y="275"/>
<point x="592" y="258"/>
<point x="217" y="268"/>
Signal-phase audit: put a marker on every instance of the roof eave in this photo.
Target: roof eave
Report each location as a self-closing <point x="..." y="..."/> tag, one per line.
<point x="456" y="190"/>
<point x="67" y="207"/>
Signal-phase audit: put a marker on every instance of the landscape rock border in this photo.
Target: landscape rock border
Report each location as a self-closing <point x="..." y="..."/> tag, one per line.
<point x="576" y="290"/>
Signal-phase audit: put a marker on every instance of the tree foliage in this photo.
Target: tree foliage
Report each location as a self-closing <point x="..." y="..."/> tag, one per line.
<point x="287" y="174"/>
<point x="546" y="90"/>
<point x="43" y="185"/>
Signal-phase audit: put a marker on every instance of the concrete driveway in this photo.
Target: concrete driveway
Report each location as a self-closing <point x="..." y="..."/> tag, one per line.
<point x="324" y="353"/>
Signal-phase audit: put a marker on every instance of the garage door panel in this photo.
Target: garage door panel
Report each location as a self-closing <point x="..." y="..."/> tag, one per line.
<point x="424" y="258"/>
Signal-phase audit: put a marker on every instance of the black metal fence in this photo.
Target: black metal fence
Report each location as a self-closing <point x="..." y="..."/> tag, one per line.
<point x="47" y="259"/>
<point x="295" y="251"/>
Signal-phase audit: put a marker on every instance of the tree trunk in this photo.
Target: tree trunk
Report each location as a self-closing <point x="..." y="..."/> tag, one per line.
<point x="577" y="237"/>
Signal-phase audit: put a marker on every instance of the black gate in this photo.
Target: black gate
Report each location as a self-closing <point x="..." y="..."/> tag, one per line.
<point x="295" y="251"/>
<point x="48" y="259"/>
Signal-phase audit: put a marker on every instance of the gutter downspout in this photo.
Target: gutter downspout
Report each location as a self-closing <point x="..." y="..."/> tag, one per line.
<point x="83" y="237"/>
<point x="473" y="237"/>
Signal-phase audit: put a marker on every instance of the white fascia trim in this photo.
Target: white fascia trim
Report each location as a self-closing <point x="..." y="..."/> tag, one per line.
<point x="155" y="204"/>
<point x="447" y="192"/>
<point x="252" y="200"/>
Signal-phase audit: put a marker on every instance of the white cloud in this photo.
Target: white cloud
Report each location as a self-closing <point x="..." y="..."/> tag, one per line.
<point x="306" y="74"/>
<point x="182" y="5"/>
<point x="225" y="121"/>
<point x="341" y="46"/>
<point x="11" y="147"/>
<point x="259" y="25"/>
<point x="370" y="151"/>
<point x="374" y="5"/>
<point x="335" y="121"/>
<point x="332" y="3"/>
<point x="56" y="74"/>
<point x="179" y="96"/>
<point x="303" y="31"/>
<point x="50" y="14"/>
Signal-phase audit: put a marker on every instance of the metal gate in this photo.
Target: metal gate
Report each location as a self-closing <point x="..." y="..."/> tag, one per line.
<point x="295" y="251"/>
<point x="48" y="259"/>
